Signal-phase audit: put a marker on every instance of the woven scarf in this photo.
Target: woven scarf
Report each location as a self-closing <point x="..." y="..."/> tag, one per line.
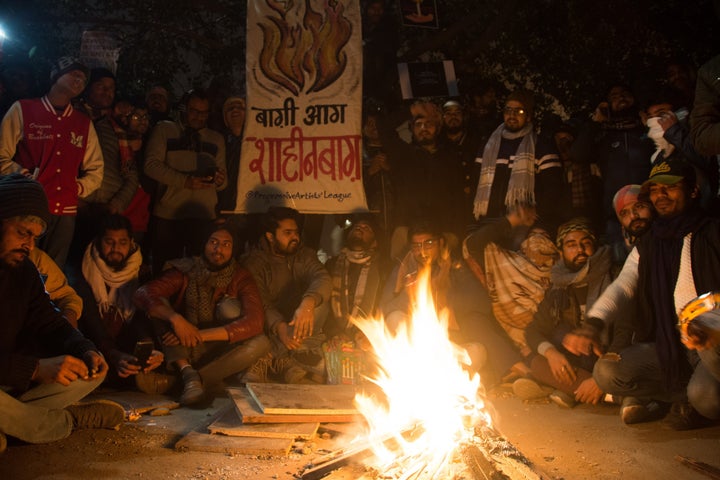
<point x="521" y="186"/>
<point x="113" y="290"/>
<point x="202" y="285"/>
<point x="439" y="277"/>
<point x="367" y="285"/>
<point x="127" y="145"/>
<point x="662" y="270"/>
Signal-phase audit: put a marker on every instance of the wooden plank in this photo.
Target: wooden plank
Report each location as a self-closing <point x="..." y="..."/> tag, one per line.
<point x="230" y="424"/>
<point x="205" y="442"/>
<point x="249" y="412"/>
<point x="294" y="399"/>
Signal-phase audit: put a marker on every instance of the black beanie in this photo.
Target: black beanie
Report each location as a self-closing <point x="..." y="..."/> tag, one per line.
<point x="20" y="196"/>
<point x="65" y="65"/>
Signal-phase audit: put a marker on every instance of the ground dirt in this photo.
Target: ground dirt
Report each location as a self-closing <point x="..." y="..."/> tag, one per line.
<point x="583" y="443"/>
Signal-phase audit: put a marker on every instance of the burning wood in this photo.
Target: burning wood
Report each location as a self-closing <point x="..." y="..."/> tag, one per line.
<point x="425" y="385"/>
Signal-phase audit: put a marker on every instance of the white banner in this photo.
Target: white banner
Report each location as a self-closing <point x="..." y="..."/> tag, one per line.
<point x="302" y="145"/>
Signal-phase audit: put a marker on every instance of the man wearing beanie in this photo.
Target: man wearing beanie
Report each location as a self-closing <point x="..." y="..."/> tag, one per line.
<point x="518" y="169"/>
<point x="566" y="340"/>
<point x="48" y="140"/>
<point x="46" y="365"/>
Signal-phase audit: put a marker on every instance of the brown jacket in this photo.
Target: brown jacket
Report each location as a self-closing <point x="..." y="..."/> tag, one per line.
<point x="170" y="287"/>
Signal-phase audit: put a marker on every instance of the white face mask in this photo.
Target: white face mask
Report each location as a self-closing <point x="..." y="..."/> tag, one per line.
<point x="656" y="132"/>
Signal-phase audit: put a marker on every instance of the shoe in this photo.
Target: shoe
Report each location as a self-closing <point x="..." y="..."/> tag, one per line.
<point x="683" y="416"/>
<point x="562" y="399"/>
<point x="154" y="383"/>
<point x="3" y="442"/>
<point x="289" y="370"/>
<point x="193" y="391"/>
<point x="634" y="411"/>
<point x="259" y="372"/>
<point x="528" y="389"/>
<point x="97" y="414"/>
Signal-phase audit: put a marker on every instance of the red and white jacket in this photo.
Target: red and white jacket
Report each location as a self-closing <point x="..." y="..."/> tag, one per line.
<point x="60" y="149"/>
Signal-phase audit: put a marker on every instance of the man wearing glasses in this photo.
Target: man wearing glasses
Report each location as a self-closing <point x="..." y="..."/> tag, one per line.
<point x="518" y="169"/>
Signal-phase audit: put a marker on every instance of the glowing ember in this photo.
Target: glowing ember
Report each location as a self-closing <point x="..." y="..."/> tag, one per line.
<point x="432" y="404"/>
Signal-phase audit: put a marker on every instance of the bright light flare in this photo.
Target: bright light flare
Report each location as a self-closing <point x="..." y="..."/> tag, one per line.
<point x="427" y="389"/>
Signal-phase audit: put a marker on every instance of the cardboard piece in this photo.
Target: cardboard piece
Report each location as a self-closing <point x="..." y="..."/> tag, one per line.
<point x="295" y="399"/>
<point x="249" y="412"/>
<point x="230" y="424"/>
<point x="205" y="442"/>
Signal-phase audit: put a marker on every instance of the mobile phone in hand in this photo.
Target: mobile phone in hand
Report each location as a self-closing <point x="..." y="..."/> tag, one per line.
<point x="143" y="350"/>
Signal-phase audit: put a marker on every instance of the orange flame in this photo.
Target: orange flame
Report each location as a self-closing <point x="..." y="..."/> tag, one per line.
<point x="313" y="49"/>
<point x="425" y="386"/>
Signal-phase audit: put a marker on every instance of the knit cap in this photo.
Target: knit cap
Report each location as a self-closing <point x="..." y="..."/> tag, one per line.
<point x="64" y="65"/>
<point x="20" y="196"/>
<point x="578" y="224"/>
<point x="626" y="195"/>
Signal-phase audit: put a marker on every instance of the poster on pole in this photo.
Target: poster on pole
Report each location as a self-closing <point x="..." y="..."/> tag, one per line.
<point x="302" y="146"/>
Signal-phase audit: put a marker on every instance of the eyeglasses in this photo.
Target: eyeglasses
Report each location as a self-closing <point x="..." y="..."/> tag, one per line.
<point x="137" y="117"/>
<point x="513" y="110"/>
<point x="424" y="245"/>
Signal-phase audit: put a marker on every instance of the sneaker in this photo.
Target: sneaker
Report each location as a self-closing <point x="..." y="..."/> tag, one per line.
<point x="289" y="370"/>
<point x="528" y="389"/>
<point x="193" y="391"/>
<point x="97" y="414"/>
<point x="154" y="383"/>
<point x="259" y="372"/>
<point x="562" y="399"/>
<point x="3" y="442"/>
<point x="683" y="416"/>
<point x="634" y="411"/>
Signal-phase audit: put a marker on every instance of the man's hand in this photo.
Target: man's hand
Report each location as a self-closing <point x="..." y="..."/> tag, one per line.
<point x="581" y="345"/>
<point x="198" y="183"/>
<point x="282" y="333"/>
<point x="379" y="162"/>
<point x="561" y="368"/>
<point x="601" y="113"/>
<point x="303" y="319"/>
<point x="96" y="364"/>
<point x="124" y="363"/>
<point x="588" y="392"/>
<point x="187" y="333"/>
<point x="64" y="370"/>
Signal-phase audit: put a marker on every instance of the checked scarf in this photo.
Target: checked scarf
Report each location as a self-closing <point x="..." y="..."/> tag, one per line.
<point x="202" y="285"/>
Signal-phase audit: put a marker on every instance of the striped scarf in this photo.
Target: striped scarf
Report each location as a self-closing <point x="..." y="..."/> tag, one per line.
<point x="521" y="187"/>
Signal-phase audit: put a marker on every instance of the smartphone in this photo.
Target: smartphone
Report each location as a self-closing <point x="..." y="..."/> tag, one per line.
<point x="143" y="350"/>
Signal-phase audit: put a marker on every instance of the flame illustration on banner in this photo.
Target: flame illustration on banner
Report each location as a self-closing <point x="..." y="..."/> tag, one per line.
<point x="300" y="46"/>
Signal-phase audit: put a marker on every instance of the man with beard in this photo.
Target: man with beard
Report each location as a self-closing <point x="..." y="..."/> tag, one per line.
<point x="615" y="139"/>
<point x="564" y="338"/>
<point x="634" y="214"/>
<point x="46" y="365"/>
<point x="295" y="289"/>
<point x="187" y="159"/>
<point x="464" y="143"/>
<point x="209" y="313"/>
<point x="517" y="168"/>
<point x="110" y="268"/>
<point x="646" y="363"/>
<point x="357" y="275"/>
<point x="426" y="176"/>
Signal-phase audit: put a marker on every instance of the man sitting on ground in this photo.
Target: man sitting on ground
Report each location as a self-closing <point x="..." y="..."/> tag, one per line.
<point x="567" y="342"/>
<point x="210" y="313"/>
<point x="110" y="268"/>
<point x="295" y="289"/>
<point x="46" y="365"/>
